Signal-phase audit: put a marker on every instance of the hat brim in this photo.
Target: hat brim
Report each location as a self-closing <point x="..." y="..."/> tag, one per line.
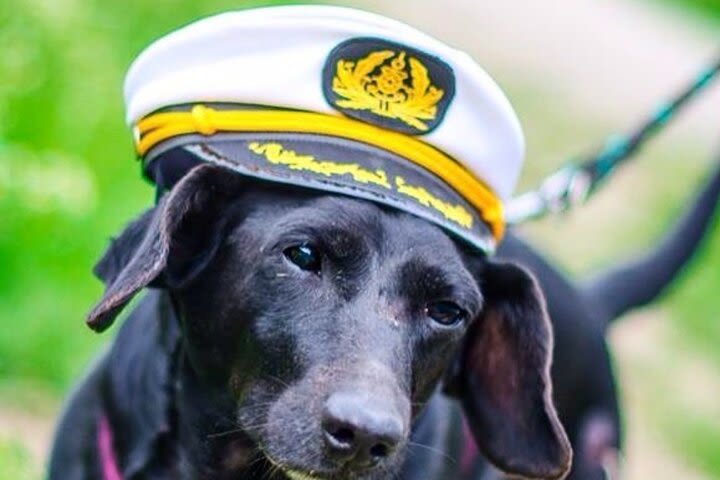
<point x="328" y="164"/>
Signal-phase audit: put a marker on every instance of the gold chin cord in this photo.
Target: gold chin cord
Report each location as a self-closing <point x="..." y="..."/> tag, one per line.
<point x="203" y="120"/>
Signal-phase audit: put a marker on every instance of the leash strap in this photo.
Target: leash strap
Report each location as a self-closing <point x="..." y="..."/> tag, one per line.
<point x="108" y="463"/>
<point x="574" y="183"/>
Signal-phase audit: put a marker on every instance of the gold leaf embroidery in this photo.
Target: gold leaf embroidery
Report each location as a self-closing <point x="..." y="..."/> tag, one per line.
<point x="276" y="154"/>
<point x="388" y="93"/>
<point x="456" y="213"/>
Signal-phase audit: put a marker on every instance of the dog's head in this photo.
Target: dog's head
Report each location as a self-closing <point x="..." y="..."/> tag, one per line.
<point x="330" y="321"/>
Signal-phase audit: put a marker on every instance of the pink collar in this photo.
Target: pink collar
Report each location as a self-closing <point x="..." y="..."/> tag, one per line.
<point x="108" y="462"/>
<point x="469" y="451"/>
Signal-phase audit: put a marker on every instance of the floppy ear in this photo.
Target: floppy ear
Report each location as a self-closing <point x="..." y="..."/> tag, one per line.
<point x="169" y="244"/>
<point x="121" y="248"/>
<point x="503" y="378"/>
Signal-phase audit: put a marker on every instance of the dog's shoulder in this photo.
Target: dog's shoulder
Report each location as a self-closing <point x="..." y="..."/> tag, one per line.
<point x="74" y="445"/>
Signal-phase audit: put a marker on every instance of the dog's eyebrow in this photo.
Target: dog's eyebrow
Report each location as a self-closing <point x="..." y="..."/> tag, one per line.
<point x="341" y="224"/>
<point x="421" y="279"/>
<point x="337" y="241"/>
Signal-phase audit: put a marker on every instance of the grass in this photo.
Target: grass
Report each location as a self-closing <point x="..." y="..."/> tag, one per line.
<point x="68" y="180"/>
<point x="15" y="462"/>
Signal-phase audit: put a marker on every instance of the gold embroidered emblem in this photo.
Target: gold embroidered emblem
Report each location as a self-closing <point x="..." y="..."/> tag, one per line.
<point x="396" y="91"/>
<point x="455" y="213"/>
<point x="276" y="154"/>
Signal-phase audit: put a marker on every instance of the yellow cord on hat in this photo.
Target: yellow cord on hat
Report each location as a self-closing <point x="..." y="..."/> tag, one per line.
<point x="158" y="127"/>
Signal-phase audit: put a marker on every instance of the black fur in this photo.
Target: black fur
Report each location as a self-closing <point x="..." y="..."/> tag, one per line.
<point x="222" y="370"/>
<point x="583" y="384"/>
<point x="228" y="370"/>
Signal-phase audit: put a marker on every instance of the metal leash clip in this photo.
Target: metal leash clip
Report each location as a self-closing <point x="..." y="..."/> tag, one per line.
<point x="575" y="182"/>
<point x="559" y="192"/>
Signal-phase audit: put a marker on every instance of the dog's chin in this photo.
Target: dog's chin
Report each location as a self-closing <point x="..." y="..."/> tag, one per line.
<point x="296" y="473"/>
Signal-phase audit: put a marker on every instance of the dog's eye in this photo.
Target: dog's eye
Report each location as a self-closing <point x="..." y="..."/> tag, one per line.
<point x="446" y="313"/>
<point x="304" y="256"/>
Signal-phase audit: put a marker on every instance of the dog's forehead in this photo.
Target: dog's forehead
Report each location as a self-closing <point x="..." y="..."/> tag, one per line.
<point x="387" y="232"/>
<point x="280" y="209"/>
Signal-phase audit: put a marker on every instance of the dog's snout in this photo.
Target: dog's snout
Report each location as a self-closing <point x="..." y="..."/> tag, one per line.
<point x="360" y="431"/>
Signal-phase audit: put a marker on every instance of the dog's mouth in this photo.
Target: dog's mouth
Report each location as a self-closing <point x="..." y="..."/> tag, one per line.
<point x="294" y="474"/>
<point x="298" y="475"/>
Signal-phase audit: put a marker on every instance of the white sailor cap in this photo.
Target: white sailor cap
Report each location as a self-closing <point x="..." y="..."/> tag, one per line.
<point x="333" y="99"/>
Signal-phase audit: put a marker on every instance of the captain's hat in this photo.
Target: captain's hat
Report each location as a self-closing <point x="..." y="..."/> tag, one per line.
<point x="332" y="99"/>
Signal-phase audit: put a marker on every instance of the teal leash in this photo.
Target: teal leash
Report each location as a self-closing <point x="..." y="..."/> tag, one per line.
<point x="575" y="182"/>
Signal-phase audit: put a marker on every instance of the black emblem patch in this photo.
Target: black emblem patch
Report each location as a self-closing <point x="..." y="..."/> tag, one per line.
<point x="388" y="84"/>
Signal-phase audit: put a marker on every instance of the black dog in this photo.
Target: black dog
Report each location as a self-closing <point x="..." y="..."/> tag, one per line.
<point x="305" y="336"/>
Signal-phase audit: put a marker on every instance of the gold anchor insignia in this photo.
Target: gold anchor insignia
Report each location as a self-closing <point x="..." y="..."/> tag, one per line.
<point x="388" y="93"/>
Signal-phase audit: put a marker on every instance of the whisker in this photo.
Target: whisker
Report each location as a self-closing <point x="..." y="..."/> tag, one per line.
<point x="278" y="380"/>
<point x="260" y="457"/>
<point x="393" y="474"/>
<point x="225" y="433"/>
<point x="432" y="449"/>
<point x="239" y="429"/>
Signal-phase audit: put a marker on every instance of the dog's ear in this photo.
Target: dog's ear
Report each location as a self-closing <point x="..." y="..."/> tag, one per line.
<point x="122" y="248"/>
<point x="503" y="381"/>
<point x="169" y="244"/>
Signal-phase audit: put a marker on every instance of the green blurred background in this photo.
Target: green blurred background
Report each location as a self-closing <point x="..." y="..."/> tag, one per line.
<point x="69" y="181"/>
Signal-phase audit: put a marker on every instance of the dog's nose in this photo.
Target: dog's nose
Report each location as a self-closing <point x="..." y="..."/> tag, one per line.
<point x="360" y="431"/>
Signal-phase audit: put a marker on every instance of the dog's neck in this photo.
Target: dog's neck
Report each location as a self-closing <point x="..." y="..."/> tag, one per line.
<point x="174" y="421"/>
<point x="208" y="435"/>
